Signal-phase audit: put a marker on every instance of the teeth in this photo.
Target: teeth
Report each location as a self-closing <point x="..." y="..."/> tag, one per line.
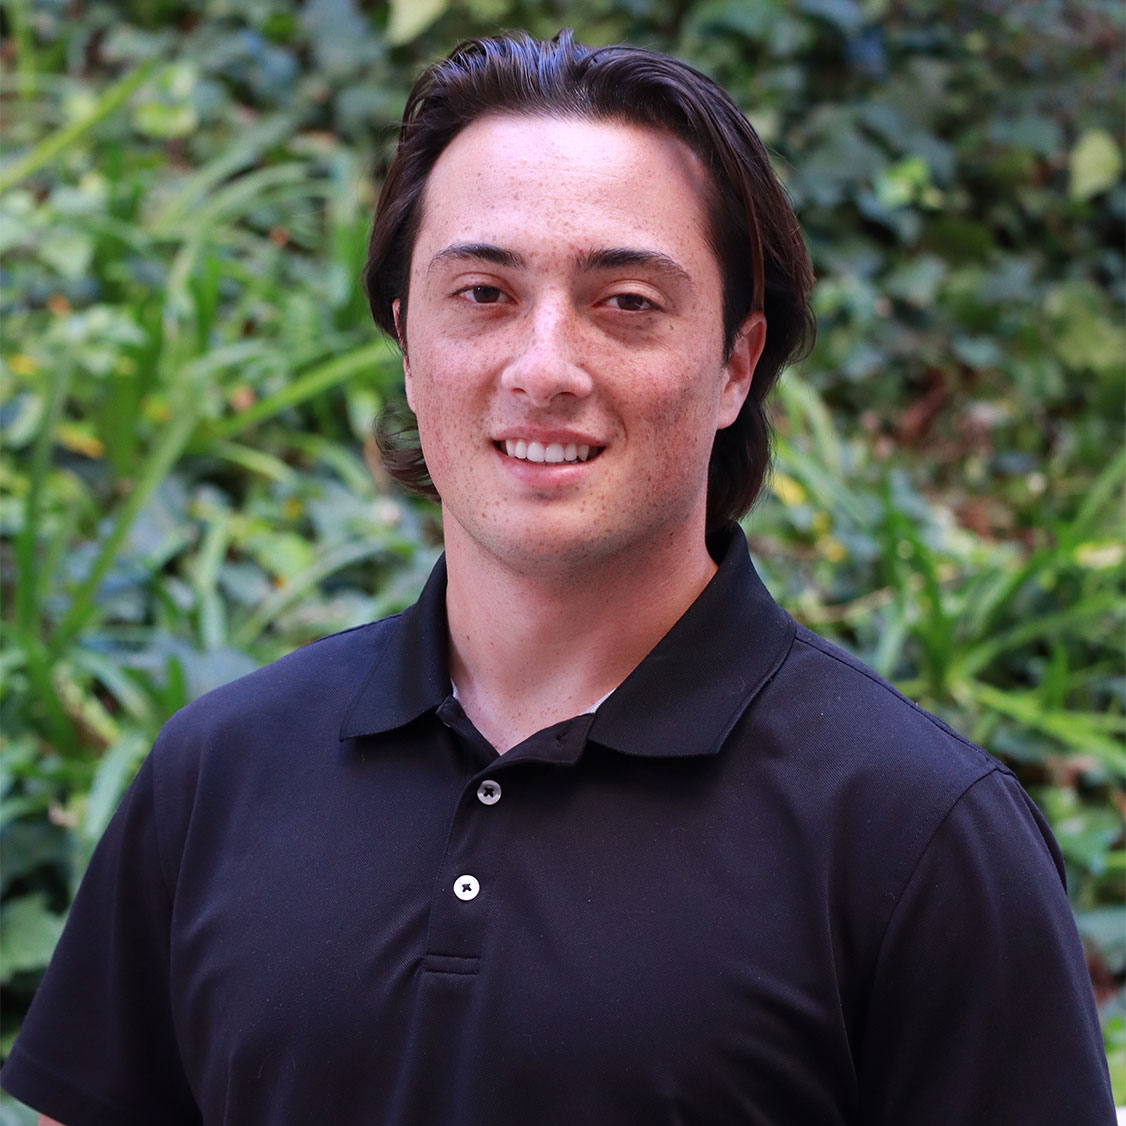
<point x="555" y="453"/>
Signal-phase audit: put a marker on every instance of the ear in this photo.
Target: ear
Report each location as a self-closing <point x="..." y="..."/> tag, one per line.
<point x="408" y="383"/>
<point x="740" y="368"/>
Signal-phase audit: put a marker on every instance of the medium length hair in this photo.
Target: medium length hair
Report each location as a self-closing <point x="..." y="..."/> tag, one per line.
<point x="753" y="233"/>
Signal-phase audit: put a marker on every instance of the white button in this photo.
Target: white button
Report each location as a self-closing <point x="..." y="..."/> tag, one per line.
<point x="488" y="793"/>
<point x="466" y="887"/>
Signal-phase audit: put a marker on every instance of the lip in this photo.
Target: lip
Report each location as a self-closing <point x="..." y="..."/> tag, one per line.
<point x="558" y="472"/>
<point x="547" y="437"/>
<point x="545" y="476"/>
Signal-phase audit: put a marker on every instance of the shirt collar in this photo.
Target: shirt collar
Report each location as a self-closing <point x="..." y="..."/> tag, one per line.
<point x="683" y="699"/>
<point x="410" y="674"/>
<point x="688" y="693"/>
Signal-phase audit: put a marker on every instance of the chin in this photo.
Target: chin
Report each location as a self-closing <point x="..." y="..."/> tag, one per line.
<point x="534" y="547"/>
<point x="545" y="553"/>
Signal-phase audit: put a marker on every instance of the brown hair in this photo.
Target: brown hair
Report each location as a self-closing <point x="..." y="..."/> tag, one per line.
<point x="754" y="232"/>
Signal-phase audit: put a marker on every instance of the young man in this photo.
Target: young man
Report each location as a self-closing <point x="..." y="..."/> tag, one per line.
<point x="594" y="833"/>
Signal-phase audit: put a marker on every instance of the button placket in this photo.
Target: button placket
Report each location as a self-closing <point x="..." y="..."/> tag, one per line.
<point x="458" y="920"/>
<point x="467" y="886"/>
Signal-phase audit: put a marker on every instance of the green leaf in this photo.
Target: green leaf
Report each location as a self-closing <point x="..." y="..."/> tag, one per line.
<point x="28" y="934"/>
<point x="158" y="119"/>
<point x="1099" y="736"/>
<point x="68" y="251"/>
<point x="313" y="382"/>
<point x="846" y="15"/>
<point x="1086" y="335"/>
<point x="1103" y="927"/>
<point x="155" y="468"/>
<point x="114" y="772"/>
<point x="28" y="844"/>
<point x="62" y="139"/>
<point x="410" y="18"/>
<point x="1095" y="164"/>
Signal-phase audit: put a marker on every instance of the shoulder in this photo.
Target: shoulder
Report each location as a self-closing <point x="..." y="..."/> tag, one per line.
<point x="255" y="746"/>
<point x="853" y="715"/>
<point x="263" y="725"/>
<point x="868" y="775"/>
<point x="317" y="680"/>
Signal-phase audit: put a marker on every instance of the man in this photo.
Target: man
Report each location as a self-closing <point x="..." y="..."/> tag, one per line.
<point x="594" y="832"/>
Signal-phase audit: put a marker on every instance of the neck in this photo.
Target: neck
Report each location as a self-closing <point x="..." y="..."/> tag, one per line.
<point x="533" y="647"/>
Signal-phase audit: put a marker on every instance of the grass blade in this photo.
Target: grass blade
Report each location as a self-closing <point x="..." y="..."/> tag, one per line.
<point x="27" y="573"/>
<point x="51" y="146"/>
<point x="320" y="379"/>
<point x="184" y="418"/>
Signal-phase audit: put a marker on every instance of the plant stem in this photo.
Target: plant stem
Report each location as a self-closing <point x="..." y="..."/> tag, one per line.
<point x="25" y="49"/>
<point x="27" y="573"/>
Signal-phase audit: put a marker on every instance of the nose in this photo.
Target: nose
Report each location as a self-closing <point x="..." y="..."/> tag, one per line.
<point x="547" y="362"/>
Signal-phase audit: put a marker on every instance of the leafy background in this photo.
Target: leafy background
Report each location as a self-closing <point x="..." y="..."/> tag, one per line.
<point x="187" y="480"/>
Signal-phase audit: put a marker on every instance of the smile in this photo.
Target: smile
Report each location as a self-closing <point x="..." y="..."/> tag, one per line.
<point x="554" y="453"/>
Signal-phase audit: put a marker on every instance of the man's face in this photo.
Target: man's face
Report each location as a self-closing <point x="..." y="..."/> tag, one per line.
<point x="564" y="341"/>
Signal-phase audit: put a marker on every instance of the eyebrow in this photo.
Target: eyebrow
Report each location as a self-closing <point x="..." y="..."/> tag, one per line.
<point x="480" y="252"/>
<point x="618" y="257"/>
<point x="610" y="258"/>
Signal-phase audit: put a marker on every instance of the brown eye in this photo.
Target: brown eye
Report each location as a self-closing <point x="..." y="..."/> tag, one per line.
<point x="484" y="294"/>
<point x="631" y="302"/>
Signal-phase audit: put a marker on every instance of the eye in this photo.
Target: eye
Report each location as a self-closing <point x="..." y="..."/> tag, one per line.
<point x="630" y="302"/>
<point x="482" y="294"/>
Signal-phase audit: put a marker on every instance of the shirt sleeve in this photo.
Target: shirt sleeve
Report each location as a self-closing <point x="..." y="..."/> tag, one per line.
<point x="98" y="1046"/>
<point x="982" y="1009"/>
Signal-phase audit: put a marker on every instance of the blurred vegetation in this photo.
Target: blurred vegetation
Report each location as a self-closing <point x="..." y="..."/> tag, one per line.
<point x="187" y="481"/>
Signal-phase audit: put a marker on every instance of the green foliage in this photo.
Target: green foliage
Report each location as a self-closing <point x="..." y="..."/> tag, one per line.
<point x="187" y="480"/>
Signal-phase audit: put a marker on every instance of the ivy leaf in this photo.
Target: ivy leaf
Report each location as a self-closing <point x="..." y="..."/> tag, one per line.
<point x="168" y="111"/>
<point x="846" y="15"/>
<point x="28" y="933"/>
<point x="1095" y="164"/>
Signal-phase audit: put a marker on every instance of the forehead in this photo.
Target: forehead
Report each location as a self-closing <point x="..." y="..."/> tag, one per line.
<point x="543" y="184"/>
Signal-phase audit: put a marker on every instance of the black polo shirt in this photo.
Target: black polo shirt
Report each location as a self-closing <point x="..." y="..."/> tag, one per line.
<point x="756" y="886"/>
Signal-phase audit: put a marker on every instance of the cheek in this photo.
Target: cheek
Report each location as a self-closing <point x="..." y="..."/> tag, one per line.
<point x="437" y="444"/>
<point x="446" y="409"/>
<point x="684" y="397"/>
